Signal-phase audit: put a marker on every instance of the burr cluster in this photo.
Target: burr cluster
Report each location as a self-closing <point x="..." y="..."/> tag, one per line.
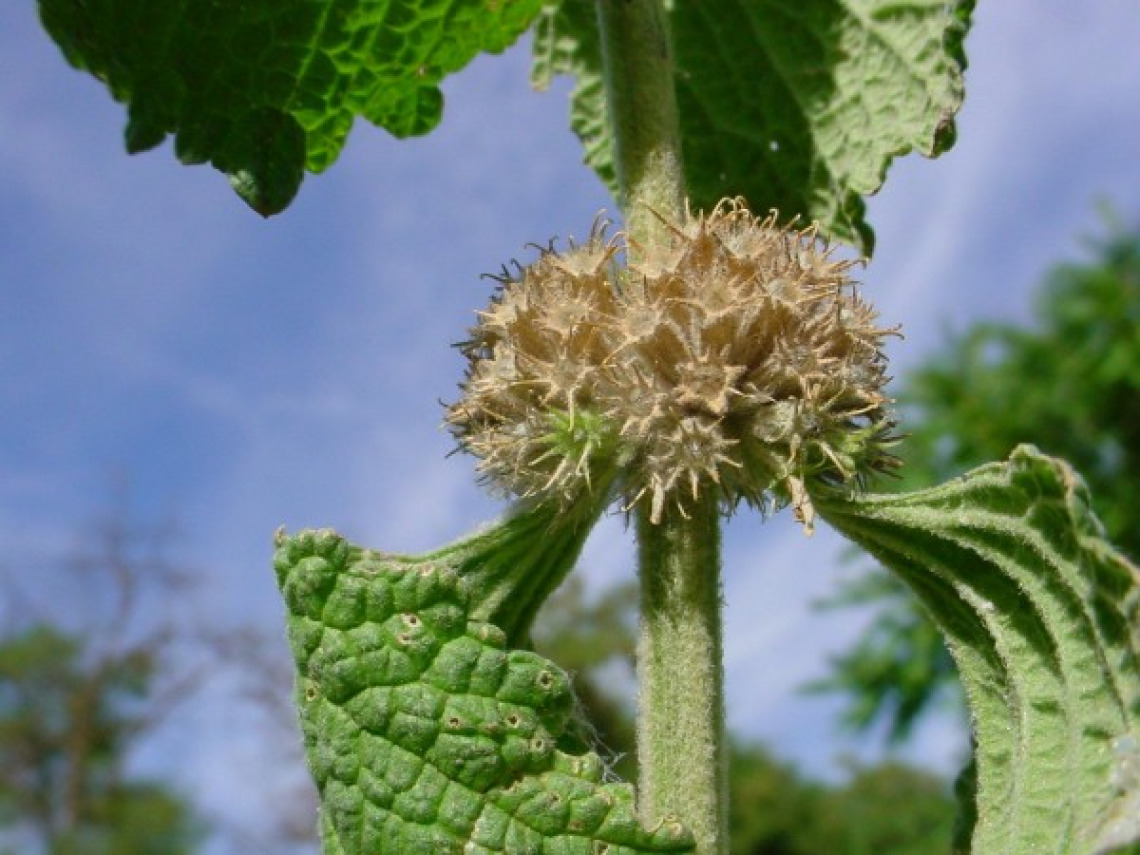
<point x="734" y="357"/>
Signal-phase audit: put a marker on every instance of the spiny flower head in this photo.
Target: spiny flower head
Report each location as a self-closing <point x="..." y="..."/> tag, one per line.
<point x="735" y="357"/>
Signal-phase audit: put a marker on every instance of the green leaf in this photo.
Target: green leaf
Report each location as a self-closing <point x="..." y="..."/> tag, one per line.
<point x="567" y="41"/>
<point x="265" y="89"/>
<point x="426" y="733"/>
<point x="1042" y="616"/>
<point x="799" y="107"/>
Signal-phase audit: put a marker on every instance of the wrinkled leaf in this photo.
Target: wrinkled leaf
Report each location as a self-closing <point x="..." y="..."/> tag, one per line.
<point x="1041" y="615"/>
<point x="567" y="41"/>
<point x="425" y="732"/>
<point x="265" y="89"/>
<point x="799" y="107"/>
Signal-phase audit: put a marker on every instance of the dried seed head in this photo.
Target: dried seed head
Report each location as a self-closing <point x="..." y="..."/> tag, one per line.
<point x="737" y="357"/>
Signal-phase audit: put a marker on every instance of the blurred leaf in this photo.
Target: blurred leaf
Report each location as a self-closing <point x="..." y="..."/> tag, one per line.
<point x="898" y="667"/>
<point x="884" y="810"/>
<point x="795" y="107"/>
<point x="265" y="89"/>
<point x="1041" y="615"/>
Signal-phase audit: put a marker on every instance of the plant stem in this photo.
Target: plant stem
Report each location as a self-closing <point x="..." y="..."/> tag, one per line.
<point x="638" y="66"/>
<point x="681" y="752"/>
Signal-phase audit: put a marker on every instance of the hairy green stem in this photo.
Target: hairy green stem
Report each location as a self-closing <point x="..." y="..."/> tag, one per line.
<point x="680" y="745"/>
<point x="638" y="63"/>
<point x="680" y="739"/>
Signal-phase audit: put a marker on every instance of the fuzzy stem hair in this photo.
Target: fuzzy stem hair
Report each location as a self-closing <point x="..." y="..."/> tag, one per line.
<point x="638" y="67"/>
<point x="681" y="732"/>
<point x="681" y="750"/>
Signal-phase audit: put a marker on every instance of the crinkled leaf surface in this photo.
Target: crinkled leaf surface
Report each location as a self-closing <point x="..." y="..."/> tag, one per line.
<point x="426" y="733"/>
<point x="265" y="89"/>
<point x="1041" y="615"/>
<point x="795" y="106"/>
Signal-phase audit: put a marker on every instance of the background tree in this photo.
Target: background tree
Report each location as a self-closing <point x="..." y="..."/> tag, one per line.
<point x="890" y="808"/>
<point x="80" y="689"/>
<point x="1069" y="384"/>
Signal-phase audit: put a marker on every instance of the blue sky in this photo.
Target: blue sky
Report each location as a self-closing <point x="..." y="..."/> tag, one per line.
<point x="244" y="374"/>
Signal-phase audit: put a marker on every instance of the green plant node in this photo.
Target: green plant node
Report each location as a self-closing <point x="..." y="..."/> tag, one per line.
<point x="425" y="732"/>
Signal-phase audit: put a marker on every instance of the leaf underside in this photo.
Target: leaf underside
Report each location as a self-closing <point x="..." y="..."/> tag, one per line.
<point x="266" y="89"/>
<point x="799" y="107"/>
<point x="425" y="733"/>
<point x="1041" y="615"/>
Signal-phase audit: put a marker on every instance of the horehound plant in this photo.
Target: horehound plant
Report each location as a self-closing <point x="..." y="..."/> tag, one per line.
<point x="729" y="362"/>
<point x="702" y="358"/>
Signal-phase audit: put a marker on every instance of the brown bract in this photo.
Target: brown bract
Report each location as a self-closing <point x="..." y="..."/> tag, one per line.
<point x="736" y="357"/>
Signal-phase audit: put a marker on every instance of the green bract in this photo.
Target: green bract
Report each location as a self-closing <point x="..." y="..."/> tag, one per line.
<point x="799" y="107"/>
<point x="265" y="89"/>
<point x="1043" y="619"/>
<point x="425" y="733"/>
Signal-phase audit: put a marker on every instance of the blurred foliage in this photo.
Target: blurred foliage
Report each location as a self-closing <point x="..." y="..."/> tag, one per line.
<point x="96" y="652"/>
<point x="594" y="641"/>
<point x="1069" y="384"/>
<point x="67" y="721"/>
<point x="882" y="810"/>
<point x="899" y="669"/>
